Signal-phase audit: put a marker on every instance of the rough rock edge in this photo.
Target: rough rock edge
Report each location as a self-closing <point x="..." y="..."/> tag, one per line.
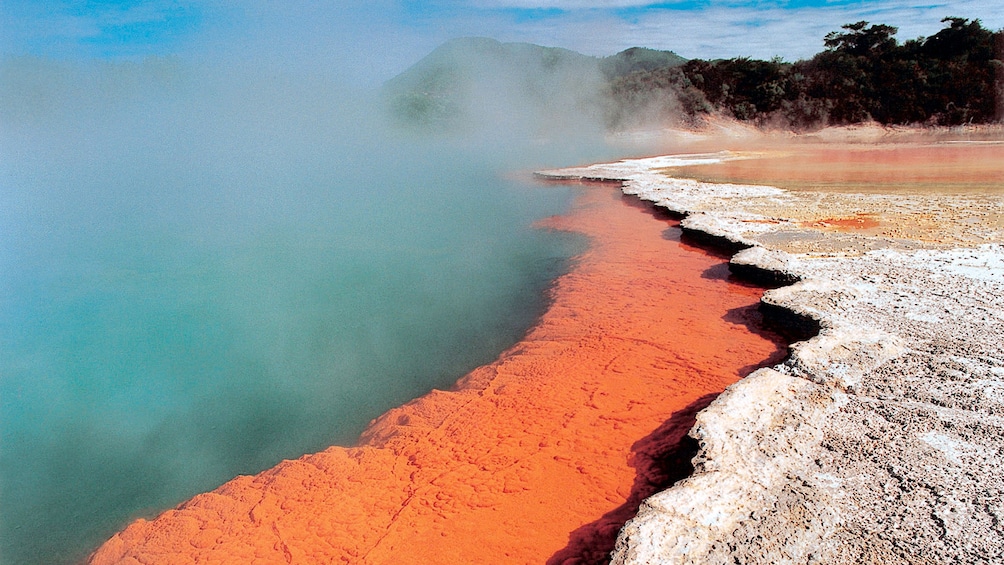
<point x="761" y="491"/>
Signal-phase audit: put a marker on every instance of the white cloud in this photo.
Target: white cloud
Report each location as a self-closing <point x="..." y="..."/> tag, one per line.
<point x="717" y="31"/>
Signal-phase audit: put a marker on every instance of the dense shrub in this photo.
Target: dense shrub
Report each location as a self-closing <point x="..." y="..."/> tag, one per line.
<point x="952" y="77"/>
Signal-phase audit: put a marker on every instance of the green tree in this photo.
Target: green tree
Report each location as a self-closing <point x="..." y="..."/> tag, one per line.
<point x="961" y="67"/>
<point x="862" y="40"/>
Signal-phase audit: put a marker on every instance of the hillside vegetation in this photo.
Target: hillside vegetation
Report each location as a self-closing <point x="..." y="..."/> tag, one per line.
<point x="952" y="77"/>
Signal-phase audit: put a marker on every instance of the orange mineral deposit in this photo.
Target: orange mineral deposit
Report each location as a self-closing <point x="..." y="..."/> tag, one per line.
<point x="538" y="457"/>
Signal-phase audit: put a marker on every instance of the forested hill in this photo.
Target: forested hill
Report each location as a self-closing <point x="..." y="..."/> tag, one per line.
<point x="952" y="77"/>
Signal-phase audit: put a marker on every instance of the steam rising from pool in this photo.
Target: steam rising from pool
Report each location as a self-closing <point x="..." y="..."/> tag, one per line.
<point x="207" y="269"/>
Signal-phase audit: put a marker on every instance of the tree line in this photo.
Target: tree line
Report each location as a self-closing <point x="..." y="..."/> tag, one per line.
<point x="950" y="78"/>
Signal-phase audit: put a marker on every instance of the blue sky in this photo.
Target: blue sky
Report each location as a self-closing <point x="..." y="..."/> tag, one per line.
<point x="391" y="34"/>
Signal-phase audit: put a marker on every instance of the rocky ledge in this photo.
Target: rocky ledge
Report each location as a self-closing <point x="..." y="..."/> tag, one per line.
<point x="881" y="438"/>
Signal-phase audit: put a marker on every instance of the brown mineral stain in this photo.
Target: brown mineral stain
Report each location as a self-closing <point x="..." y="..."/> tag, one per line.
<point x="539" y="456"/>
<point x="857" y="222"/>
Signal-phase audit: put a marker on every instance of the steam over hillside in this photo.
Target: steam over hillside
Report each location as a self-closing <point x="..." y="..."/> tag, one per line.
<point x="472" y="83"/>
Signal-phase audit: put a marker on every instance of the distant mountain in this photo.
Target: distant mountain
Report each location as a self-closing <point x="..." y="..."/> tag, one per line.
<point x="468" y="57"/>
<point x="475" y="81"/>
<point x="639" y="59"/>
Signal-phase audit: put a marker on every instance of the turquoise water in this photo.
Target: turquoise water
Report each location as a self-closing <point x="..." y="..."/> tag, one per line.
<point x="204" y="273"/>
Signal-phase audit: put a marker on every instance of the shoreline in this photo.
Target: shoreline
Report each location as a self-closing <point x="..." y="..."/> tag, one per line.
<point x="877" y="439"/>
<point x="540" y="456"/>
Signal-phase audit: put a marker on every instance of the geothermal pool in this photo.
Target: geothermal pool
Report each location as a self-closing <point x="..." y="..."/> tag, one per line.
<point x="537" y="457"/>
